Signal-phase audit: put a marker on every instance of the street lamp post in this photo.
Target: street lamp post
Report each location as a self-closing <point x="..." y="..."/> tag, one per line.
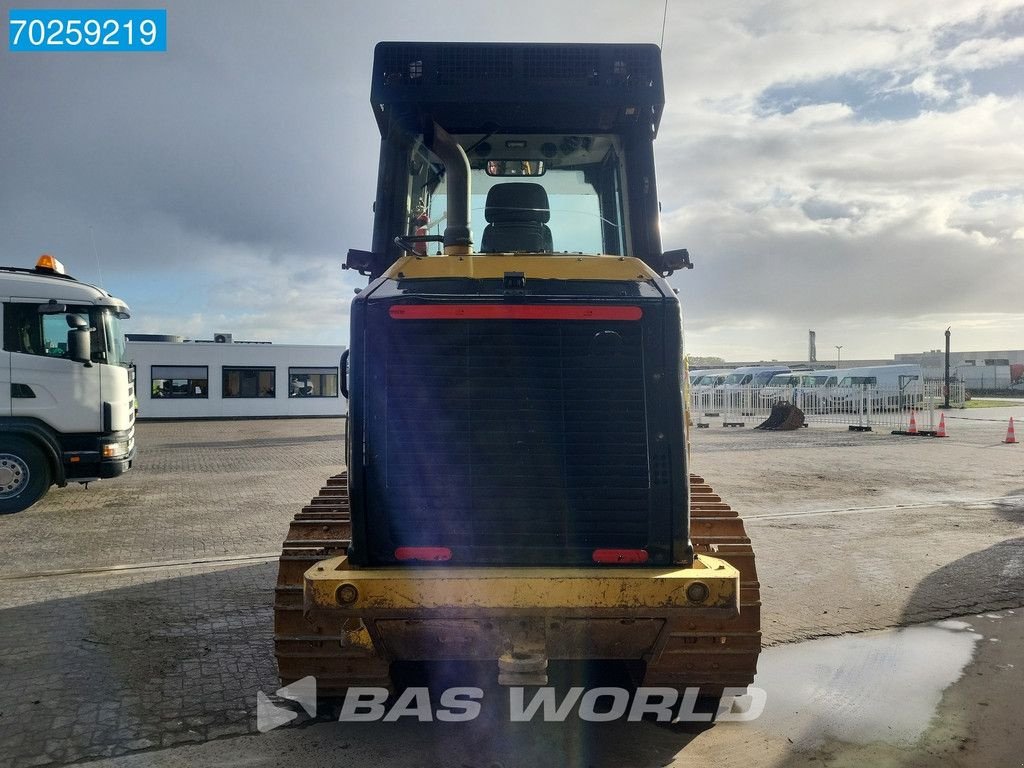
<point x="945" y="388"/>
<point x="839" y="352"/>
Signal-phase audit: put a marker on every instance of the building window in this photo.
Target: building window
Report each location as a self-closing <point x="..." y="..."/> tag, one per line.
<point x="312" y="382"/>
<point x="997" y="361"/>
<point x="181" y="381"/>
<point x="248" y="382"/>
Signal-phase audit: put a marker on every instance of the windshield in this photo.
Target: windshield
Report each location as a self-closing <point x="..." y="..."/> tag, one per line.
<point x="853" y="381"/>
<point x="112" y="345"/>
<point x="783" y="380"/>
<point x="737" y="378"/>
<point x="531" y="193"/>
<point x="762" y="378"/>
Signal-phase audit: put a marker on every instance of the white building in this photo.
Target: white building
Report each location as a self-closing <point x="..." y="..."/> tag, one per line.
<point x="178" y="378"/>
<point x="991" y="370"/>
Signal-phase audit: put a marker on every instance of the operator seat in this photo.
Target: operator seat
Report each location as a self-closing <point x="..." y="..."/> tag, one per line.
<point x="517" y="214"/>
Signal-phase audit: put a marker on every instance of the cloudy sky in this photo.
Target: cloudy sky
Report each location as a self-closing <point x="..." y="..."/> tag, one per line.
<point x="853" y="168"/>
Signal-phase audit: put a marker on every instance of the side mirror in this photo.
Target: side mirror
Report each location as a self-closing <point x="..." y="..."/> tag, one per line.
<point x="80" y="345"/>
<point x="677" y="259"/>
<point x="79" y="339"/>
<point x="365" y="263"/>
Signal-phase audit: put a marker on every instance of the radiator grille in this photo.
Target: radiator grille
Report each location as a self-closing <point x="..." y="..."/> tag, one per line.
<point x="512" y="433"/>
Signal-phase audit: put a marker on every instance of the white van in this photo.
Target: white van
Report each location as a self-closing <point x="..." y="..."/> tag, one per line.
<point x="804" y="388"/>
<point x="888" y="386"/>
<point x="783" y="386"/>
<point x="708" y="379"/>
<point x="740" y="386"/>
<point x="707" y="383"/>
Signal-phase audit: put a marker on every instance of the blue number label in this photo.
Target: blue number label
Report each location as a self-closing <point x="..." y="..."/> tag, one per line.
<point x="87" y="29"/>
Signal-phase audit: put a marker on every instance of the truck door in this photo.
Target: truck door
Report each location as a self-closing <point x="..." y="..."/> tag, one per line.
<point x="50" y="386"/>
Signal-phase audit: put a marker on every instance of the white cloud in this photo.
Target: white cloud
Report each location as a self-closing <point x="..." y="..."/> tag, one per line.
<point x="975" y="54"/>
<point x="225" y="181"/>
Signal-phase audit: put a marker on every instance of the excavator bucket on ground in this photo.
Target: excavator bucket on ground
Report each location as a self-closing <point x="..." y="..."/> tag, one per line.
<point x="784" y="416"/>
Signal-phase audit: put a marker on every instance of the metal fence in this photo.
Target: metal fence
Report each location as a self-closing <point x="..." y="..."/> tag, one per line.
<point x="861" y="407"/>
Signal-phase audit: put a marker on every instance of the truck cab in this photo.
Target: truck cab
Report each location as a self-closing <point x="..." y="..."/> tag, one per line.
<point x="66" y="392"/>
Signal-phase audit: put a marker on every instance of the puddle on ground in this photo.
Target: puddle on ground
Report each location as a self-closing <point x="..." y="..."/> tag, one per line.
<point x="863" y="688"/>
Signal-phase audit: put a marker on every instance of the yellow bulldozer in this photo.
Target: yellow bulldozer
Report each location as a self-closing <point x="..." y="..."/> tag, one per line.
<point x="517" y="491"/>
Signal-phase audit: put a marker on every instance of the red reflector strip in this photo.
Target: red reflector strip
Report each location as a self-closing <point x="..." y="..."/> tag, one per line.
<point x="435" y="554"/>
<point x="511" y="312"/>
<point x="620" y="555"/>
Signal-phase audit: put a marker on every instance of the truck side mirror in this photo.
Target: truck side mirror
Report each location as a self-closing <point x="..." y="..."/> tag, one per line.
<point x="79" y="340"/>
<point x="80" y="346"/>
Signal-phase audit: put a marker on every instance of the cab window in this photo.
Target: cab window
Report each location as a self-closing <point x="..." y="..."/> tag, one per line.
<point x="28" y="332"/>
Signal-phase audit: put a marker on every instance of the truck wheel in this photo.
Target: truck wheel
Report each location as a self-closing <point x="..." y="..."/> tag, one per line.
<point x="25" y="475"/>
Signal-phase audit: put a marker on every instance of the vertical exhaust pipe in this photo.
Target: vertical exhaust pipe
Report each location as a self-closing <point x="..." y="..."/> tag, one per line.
<point x="457" y="237"/>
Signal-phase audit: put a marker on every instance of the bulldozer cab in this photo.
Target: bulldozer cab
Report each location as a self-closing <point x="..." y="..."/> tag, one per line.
<point x="546" y="193"/>
<point x="558" y="140"/>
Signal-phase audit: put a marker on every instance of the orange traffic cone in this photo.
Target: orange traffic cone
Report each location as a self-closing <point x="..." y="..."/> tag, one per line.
<point x="1010" y="437"/>
<point x="913" y="424"/>
<point x="942" y="427"/>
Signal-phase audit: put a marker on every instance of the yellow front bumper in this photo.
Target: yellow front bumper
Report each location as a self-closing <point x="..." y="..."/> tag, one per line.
<point x="445" y="613"/>
<point x="332" y="585"/>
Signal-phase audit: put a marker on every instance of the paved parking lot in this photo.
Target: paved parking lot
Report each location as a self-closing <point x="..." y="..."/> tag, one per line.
<point x="135" y="616"/>
<point x="133" y="647"/>
<point x="199" y="489"/>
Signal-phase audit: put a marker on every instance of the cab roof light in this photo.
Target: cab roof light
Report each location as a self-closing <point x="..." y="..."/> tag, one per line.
<point x="47" y="263"/>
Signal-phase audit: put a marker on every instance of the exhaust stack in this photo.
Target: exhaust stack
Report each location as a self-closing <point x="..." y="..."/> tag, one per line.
<point x="457" y="237"/>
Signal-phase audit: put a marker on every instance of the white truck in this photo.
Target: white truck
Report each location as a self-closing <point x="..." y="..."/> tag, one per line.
<point x="67" y="396"/>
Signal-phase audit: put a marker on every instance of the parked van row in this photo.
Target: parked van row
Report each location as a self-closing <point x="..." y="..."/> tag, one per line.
<point x="879" y="386"/>
<point x="731" y="387"/>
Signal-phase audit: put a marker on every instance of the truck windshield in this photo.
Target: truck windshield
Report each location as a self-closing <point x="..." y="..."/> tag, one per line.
<point x="111" y="341"/>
